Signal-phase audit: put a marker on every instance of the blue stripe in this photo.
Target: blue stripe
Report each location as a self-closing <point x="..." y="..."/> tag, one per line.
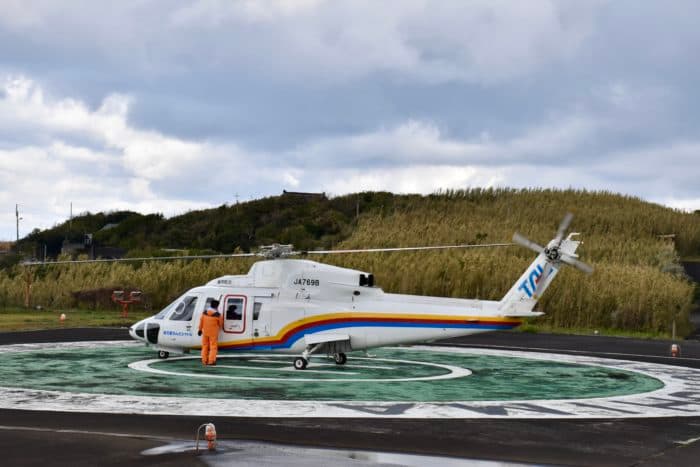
<point x="293" y="338"/>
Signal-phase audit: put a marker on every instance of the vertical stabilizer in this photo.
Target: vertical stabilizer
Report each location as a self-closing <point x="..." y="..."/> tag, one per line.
<point x="523" y="296"/>
<point x="527" y="289"/>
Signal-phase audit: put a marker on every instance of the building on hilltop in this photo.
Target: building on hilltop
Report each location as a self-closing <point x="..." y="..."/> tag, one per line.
<point x="303" y="195"/>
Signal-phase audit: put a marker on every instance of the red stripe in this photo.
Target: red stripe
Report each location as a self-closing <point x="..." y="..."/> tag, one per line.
<point x="305" y="326"/>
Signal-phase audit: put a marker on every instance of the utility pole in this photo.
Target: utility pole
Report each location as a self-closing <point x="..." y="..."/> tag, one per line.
<point x="18" y="219"/>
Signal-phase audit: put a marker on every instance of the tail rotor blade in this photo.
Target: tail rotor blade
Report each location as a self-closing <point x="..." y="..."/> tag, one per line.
<point x="580" y="265"/>
<point x="527" y="243"/>
<point x="565" y="223"/>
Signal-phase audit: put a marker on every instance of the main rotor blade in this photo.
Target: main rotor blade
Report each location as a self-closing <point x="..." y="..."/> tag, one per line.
<point x="570" y="260"/>
<point x="149" y="258"/>
<point x="527" y="243"/>
<point x="565" y="223"/>
<point x="408" y="248"/>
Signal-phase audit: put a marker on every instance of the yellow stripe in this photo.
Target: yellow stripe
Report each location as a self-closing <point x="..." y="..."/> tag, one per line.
<point x="369" y="315"/>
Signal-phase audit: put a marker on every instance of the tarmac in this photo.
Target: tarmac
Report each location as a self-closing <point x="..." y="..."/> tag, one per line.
<point x="34" y="438"/>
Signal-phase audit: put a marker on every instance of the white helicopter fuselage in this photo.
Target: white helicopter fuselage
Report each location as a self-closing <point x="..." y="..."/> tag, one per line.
<point x="292" y="306"/>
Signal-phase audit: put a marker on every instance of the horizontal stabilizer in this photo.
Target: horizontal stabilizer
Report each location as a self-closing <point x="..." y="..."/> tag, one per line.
<point x="523" y="314"/>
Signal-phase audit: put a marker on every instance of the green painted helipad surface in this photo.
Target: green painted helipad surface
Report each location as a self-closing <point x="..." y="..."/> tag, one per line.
<point x="394" y="374"/>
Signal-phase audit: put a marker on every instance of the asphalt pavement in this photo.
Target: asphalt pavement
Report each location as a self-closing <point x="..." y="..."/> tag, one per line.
<point x="35" y="438"/>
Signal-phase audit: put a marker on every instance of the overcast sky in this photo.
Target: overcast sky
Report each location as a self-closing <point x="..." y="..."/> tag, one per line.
<point x="168" y="106"/>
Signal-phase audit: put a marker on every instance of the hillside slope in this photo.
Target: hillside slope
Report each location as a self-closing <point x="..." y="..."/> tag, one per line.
<point x="638" y="283"/>
<point x="307" y="221"/>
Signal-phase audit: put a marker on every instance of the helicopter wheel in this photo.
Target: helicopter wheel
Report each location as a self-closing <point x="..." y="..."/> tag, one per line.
<point x="300" y="363"/>
<point x="340" y="358"/>
<point x="163" y="354"/>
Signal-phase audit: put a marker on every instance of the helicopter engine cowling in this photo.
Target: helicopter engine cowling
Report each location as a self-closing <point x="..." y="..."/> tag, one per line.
<point x="297" y="278"/>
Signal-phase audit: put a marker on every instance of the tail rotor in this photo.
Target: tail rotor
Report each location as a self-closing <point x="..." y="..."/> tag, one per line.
<point x="553" y="252"/>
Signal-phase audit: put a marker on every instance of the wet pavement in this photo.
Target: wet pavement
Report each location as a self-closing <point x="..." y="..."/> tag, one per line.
<point x="119" y="439"/>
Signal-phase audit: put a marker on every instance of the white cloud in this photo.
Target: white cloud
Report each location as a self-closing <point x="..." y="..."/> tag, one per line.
<point x="61" y="150"/>
<point x="478" y="41"/>
<point x="414" y="179"/>
<point x="216" y="12"/>
<point x="420" y="142"/>
<point x="482" y="41"/>
<point x="99" y="160"/>
<point x="291" y="179"/>
<point x="689" y="205"/>
<point x="17" y="14"/>
<point x="114" y="170"/>
<point x="143" y="153"/>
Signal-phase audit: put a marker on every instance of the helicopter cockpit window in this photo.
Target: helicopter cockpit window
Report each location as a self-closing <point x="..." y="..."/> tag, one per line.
<point x="184" y="309"/>
<point x="234" y="308"/>
<point x="256" y="311"/>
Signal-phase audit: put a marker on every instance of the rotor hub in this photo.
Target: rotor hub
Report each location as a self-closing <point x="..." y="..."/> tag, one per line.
<point x="552" y="253"/>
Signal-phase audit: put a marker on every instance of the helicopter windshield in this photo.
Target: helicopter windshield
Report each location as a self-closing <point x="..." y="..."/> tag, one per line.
<point x="161" y="314"/>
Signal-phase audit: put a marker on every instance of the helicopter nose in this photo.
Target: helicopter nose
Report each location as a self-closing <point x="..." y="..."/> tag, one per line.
<point x="137" y="331"/>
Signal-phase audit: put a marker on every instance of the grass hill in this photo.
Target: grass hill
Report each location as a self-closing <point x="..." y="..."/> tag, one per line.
<point x="638" y="284"/>
<point x="306" y="221"/>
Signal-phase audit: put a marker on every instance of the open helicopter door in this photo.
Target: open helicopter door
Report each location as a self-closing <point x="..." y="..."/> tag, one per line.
<point x="236" y="315"/>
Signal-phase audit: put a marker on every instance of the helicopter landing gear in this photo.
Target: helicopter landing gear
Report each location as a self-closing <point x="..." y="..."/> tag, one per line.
<point x="340" y="358"/>
<point x="163" y="354"/>
<point x="300" y="363"/>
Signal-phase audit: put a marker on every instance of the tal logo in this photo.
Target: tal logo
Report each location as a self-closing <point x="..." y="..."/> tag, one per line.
<point x="529" y="285"/>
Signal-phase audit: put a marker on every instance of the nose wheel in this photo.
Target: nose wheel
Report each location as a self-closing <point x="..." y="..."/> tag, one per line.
<point x="163" y="354"/>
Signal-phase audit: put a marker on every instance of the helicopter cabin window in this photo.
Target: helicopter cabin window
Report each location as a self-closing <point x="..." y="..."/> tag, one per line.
<point x="184" y="309"/>
<point x="256" y="310"/>
<point x="234" y="309"/>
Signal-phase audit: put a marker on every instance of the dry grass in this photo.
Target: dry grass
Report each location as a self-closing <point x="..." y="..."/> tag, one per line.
<point x="637" y="285"/>
<point x="16" y="319"/>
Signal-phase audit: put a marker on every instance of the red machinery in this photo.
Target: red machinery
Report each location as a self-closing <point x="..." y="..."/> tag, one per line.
<point x="118" y="297"/>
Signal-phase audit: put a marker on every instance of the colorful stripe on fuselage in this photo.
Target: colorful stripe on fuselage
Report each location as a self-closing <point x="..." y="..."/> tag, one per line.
<point x="296" y="330"/>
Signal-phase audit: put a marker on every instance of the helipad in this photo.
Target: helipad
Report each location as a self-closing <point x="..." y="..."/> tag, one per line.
<point x="417" y="382"/>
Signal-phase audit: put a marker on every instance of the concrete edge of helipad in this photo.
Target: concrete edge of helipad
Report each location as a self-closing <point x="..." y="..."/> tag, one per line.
<point x="677" y="398"/>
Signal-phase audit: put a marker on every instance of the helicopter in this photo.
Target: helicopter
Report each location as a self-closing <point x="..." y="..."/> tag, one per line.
<point x="302" y="307"/>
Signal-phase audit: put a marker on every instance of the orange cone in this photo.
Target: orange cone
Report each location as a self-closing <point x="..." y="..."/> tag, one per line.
<point x="675" y="350"/>
<point x="210" y="435"/>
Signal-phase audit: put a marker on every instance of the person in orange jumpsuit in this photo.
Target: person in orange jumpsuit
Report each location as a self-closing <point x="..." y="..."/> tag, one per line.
<point x="209" y="326"/>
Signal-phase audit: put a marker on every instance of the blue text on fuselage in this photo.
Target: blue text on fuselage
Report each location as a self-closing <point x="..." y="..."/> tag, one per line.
<point x="177" y="333"/>
<point x="530" y="283"/>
